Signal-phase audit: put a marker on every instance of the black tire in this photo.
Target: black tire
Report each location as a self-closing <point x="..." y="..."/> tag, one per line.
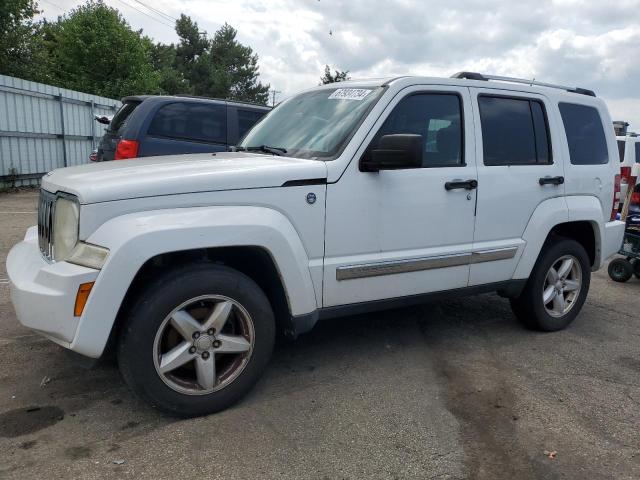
<point x="529" y="307"/>
<point x="620" y="270"/>
<point x="136" y="349"/>
<point x="636" y="267"/>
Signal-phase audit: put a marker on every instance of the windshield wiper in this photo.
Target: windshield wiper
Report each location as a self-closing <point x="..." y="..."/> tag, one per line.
<point x="262" y="148"/>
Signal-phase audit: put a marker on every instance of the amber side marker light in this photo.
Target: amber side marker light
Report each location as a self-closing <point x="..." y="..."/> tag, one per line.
<point x="81" y="298"/>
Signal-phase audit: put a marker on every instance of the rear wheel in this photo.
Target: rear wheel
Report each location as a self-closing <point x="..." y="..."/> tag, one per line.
<point x="620" y="270"/>
<point x="557" y="287"/>
<point x="197" y="340"/>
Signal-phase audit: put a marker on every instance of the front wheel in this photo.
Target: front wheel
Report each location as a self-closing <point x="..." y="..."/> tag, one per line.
<point x="557" y="287"/>
<point x="196" y="340"/>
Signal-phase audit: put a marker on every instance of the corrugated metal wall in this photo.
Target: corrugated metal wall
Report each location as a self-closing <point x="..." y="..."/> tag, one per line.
<point x="44" y="127"/>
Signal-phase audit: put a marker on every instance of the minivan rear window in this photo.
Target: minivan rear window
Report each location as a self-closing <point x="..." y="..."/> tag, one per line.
<point x="585" y="134"/>
<point x="621" y="144"/>
<point x="120" y="118"/>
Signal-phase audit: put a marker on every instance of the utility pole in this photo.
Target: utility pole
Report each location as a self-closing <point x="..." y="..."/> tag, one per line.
<point x="273" y="97"/>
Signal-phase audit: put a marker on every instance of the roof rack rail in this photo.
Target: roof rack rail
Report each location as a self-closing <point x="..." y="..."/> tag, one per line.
<point x="201" y="97"/>
<point x="480" y="76"/>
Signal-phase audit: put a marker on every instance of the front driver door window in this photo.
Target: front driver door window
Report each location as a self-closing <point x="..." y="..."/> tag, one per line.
<point x="437" y="118"/>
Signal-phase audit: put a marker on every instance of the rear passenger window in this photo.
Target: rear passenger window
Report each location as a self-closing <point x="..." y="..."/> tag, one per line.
<point x="637" y="152"/>
<point x="247" y="119"/>
<point x="191" y="121"/>
<point x="514" y="131"/>
<point x="585" y="134"/>
<point x="621" y="144"/>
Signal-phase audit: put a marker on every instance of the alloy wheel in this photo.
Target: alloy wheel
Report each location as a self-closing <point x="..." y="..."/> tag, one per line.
<point x="562" y="286"/>
<point x="203" y="344"/>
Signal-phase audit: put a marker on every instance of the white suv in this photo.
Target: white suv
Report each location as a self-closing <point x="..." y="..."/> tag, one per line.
<point x="344" y="199"/>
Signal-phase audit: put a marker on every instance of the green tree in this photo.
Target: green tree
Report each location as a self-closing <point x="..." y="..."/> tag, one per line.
<point x="217" y="67"/>
<point x="20" y="46"/>
<point x="94" y="50"/>
<point x="193" y="43"/>
<point x="338" y="76"/>
<point x="164" y="61"/>
<point x="234" y="68"/>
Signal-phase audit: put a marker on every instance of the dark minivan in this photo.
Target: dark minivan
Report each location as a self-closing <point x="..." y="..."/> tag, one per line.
<point x="149" y="125"/>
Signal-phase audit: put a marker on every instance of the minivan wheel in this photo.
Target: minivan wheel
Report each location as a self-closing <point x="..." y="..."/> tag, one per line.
<point x="557" y="287"/>
<point x="196" y="340"/>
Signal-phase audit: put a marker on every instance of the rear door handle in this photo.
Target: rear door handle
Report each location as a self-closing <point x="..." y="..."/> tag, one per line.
<point x="466" y="184"/>
<point x="551" y="180"/>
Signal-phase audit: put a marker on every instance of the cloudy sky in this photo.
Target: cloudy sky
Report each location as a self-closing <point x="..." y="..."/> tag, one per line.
<point x="593" y="44"/>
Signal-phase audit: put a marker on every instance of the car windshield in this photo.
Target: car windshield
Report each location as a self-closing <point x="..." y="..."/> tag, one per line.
<point x="315" y="124"/>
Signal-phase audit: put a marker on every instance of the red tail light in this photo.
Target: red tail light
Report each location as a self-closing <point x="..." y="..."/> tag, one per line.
<point x="126" y="149"/>
<point x="625" y="172"/>
<point x="616" y="197"/>
<point x="635" y="198"/>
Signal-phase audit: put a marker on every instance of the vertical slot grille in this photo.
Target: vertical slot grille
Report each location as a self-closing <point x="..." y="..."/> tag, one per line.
<point x="46" y="208"/>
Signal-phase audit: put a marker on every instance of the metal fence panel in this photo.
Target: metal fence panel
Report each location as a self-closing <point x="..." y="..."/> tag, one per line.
<point x="43" y="127"/>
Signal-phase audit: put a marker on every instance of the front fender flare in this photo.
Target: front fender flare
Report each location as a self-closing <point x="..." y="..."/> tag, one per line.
<point x="135" y="238"/>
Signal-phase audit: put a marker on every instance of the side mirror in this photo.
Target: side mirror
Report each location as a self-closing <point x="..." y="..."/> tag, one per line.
<point x="395" y="152"/>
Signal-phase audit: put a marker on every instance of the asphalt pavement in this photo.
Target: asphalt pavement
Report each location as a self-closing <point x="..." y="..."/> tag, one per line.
<point x="452" y="389"/>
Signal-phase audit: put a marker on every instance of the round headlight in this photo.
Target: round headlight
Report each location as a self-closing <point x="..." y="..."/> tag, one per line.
<point x="65" y="228"/>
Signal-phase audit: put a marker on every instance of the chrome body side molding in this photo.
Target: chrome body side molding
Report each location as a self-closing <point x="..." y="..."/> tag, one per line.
<point x="493" y="254"/>
<point x="349" y="272"/>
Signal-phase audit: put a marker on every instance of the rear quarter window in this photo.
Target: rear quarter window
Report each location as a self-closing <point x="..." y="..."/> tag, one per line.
<point x="637" y="152"/>
<point x="585" y="134"/>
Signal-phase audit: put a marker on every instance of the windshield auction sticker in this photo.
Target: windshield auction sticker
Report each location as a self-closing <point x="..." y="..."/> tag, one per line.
<point x="349" y="94"/>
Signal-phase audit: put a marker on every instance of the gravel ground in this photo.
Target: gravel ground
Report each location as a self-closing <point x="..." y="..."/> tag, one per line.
<point x="452" y="389"/>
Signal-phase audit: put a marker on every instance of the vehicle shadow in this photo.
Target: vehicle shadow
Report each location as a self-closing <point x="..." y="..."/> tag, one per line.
<point x="453" y="343"/>
<point x="384" y="368"/>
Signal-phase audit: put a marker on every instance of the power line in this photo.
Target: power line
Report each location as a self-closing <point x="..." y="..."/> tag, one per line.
<point x="153" y="9"/>
<point x="146" y="14"/>
<point x="53" y="5"/>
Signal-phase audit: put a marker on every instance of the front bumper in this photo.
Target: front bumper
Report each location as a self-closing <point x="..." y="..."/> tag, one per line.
<point x="43" y="293"/>
<point x="612" y="241"/>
